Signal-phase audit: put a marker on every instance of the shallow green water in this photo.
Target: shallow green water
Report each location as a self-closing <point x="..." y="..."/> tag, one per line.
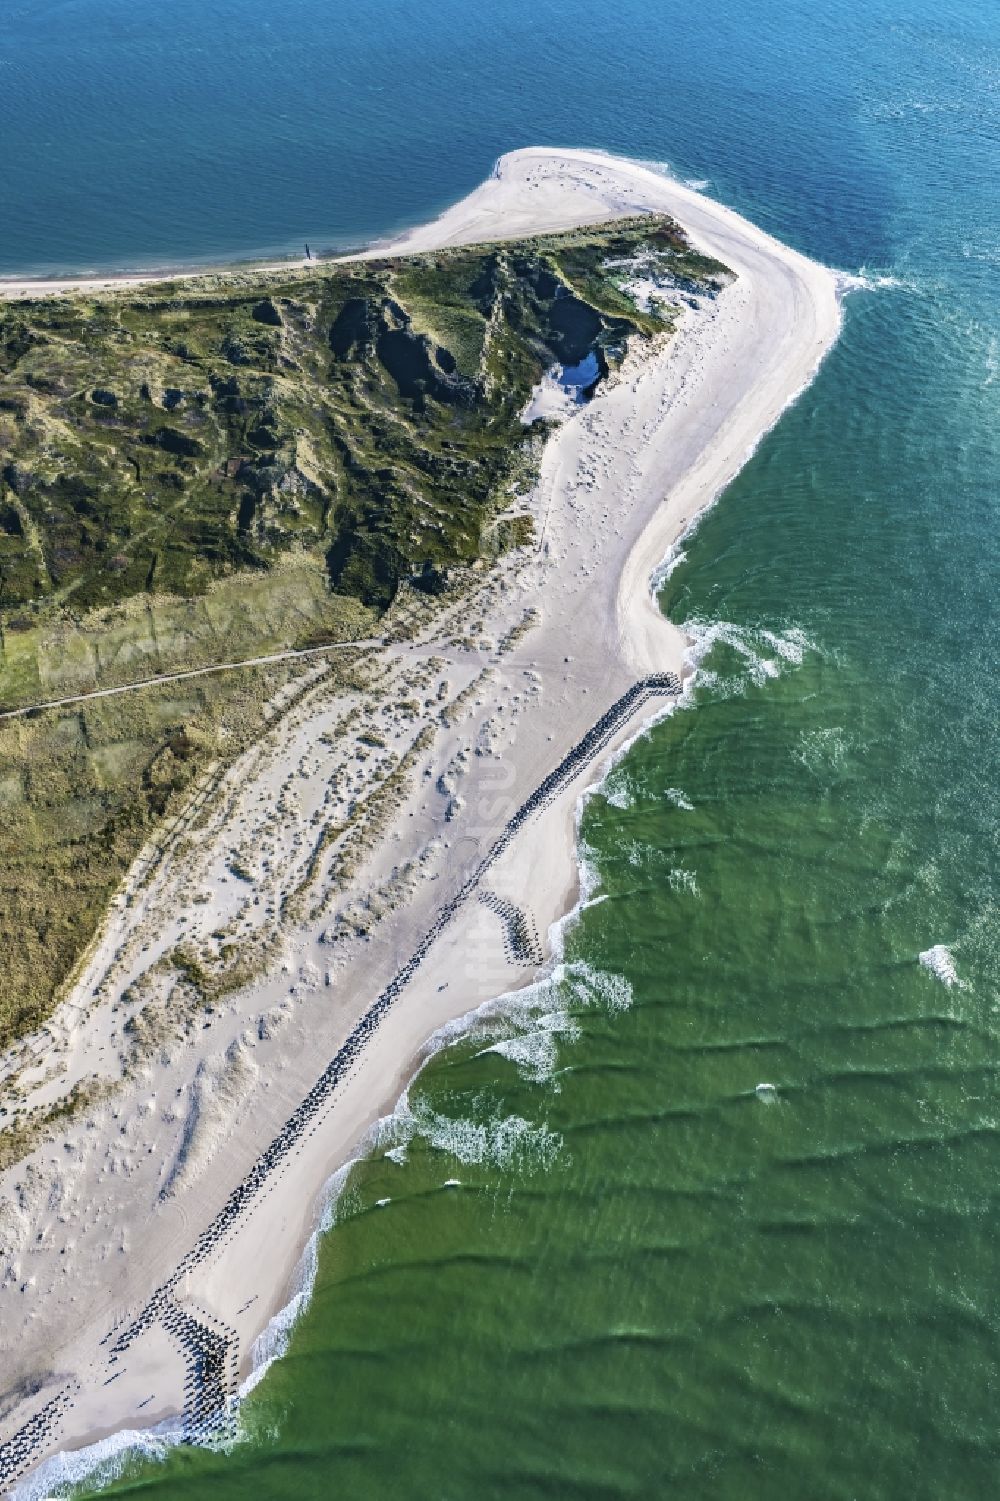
<point x="655" y="1277"/>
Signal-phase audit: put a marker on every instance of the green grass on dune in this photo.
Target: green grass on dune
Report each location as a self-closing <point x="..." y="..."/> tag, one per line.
<point x="155" y="440"/>
<point x="81" y="791"/>
<point x="206" y="471"/>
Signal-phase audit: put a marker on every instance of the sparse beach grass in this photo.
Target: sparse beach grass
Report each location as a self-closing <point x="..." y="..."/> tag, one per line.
<point x="286" y="607"/>
<point x="82" y="791"/>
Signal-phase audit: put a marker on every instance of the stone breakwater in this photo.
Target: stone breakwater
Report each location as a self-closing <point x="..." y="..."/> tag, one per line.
<point x="521" y="943"/>
<point x="209" y="1347"/>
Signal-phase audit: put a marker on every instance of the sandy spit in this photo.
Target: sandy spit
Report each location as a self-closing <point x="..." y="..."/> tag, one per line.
<point x="92" y="1225"/>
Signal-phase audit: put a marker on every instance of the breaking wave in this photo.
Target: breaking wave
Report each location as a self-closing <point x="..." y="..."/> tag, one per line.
<point x="504" y="1141"/>
<point x="589" y="986"/>
<point x="874" y="281"/>
<point x="99" y="1464"/>
<point x="939" y="961"/>
<point x="617" y="789"/>
<point x="761" y="654"/>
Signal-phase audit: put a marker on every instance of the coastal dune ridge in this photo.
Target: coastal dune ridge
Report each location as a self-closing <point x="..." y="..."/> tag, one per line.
<point x="622" y="480"/>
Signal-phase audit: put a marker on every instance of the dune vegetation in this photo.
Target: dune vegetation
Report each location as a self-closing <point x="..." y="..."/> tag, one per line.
<point x="207" y="470"/>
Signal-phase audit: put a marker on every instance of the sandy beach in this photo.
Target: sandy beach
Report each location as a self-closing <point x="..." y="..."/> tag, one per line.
<point x="21" y="288"/>
<point x="167" y="1225"/>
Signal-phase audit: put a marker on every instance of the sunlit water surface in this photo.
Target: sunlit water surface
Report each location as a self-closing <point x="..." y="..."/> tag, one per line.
<point x="725" y="1223"/>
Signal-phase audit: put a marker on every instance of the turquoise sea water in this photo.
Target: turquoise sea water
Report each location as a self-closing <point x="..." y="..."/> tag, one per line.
<point x="657" y="1278"/>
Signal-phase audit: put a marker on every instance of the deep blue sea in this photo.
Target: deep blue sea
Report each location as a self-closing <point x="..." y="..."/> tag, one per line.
<point x="137" y="133"/>
<point x="728" y="1217"/>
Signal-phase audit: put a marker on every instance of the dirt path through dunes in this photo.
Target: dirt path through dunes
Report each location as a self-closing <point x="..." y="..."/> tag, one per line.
<point x="369" y="644"/>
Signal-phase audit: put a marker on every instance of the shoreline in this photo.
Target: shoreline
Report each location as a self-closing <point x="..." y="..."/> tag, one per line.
<point x="677" y="471"/>
<point x="23" y="287"/>
<point x="16" y="286"/>
<point x="103" y="1455"/>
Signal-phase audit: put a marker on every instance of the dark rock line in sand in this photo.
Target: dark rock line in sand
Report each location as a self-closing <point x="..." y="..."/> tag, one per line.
<point x="209" y="1346"/>
<point x="521" y="943"/>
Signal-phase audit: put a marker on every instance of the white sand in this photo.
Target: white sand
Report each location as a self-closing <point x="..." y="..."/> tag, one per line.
<point x="85" y="1235"/>
<point x="14" y="288"/>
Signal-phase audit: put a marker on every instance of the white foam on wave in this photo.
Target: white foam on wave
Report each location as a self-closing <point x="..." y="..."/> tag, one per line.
<point x="617" y="789"/>
<point x="98" y="1464"/>
<point x="535" y="1048"/>
<point x="657" y="165"/>
<point x="504" y="1141"/>
<point x="664" y="169"/>
<point x="531" y="1023"/>
<point x="635" y="852"/>
<point x="792" y="644"/>
<point x="823" y="751"/>
<point x="590" y="985"/>
<point x="272" y="1342"/>
<point x="672" y="559"/>
<point x="939" y="961"/>
<point x="679" y="799"/>
<point x="873" y="281"/>
<point x="588" y="879"/>
<point x="765" y="652"/>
